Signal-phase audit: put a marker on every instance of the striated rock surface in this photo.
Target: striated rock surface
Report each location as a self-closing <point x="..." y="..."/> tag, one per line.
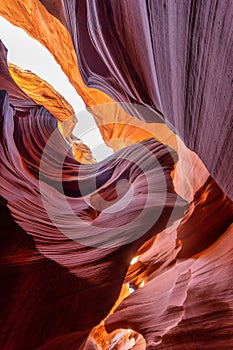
<point x="44" y="94"/>
<point x="176" y="45"/>
<point x="181" y="288"/>
<point x="152" y="217"/>
<point x="188" y="305"/>
<point x="37" y="22"/>
<point x="117" y="127"/>
<point x="86" y="244"/>
<point x="41" y="92"/>
<point x="180" y="65"/>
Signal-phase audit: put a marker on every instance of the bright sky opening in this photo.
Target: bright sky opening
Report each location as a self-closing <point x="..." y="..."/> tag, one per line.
<point x="29" y="54"/>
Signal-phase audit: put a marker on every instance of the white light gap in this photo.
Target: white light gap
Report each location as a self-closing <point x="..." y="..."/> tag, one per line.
<point x="28" y="53"/>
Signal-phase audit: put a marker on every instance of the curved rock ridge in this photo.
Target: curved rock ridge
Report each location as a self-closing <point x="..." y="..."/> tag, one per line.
<point x="37" y="22"/>
<point x="44" y="94"/>
<point x="69" y="230"/>
<point x="180" y="65"/>
<point x="165" y="306"/>
<point x="44" y="161"/>
<point x="183" y="301"/>
<point x="46" y="190"/>
<point x="41" y="92"/>
<point x="113" y="121"/>
<point x="177" y="44"/>
<point x="118" y="128"/>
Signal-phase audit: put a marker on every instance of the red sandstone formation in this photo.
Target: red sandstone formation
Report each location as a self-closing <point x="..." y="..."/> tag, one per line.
<point x="70" y="230"/>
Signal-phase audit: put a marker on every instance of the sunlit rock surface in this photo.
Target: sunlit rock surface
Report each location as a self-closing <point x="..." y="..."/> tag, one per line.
<point x="41" y="92"/>
<point x="180" y="65"/>
<point x="69" y="230"/>
<point x="189" y="306"/>
<point x="97" y="244"/>
<point x="44" y="94"/>
<point x="30" y="14"/>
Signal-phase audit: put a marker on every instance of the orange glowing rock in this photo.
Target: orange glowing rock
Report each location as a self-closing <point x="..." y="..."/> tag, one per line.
<point x="182" y="276"/>
<point x="118" y="129"/>
<point x="44" y="94"/>
<point x="82" y="152"/>
<point x="32" y="16"/>
<point x="41" y="92"/>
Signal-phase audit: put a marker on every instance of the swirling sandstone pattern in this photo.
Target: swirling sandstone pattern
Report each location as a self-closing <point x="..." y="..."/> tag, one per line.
<point x="180" y="65"/>
<point x="69" y="230"/>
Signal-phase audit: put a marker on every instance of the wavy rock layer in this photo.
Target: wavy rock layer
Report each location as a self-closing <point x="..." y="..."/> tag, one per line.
<point x="180" y="65"/>
<point x="181" y="307"/>
<point x="117" y="127"/>
<point x="41" y="92"/>
<point x="35" y="180"/>
<point x="44" y="94"/>
<point x="70" y="230"/>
